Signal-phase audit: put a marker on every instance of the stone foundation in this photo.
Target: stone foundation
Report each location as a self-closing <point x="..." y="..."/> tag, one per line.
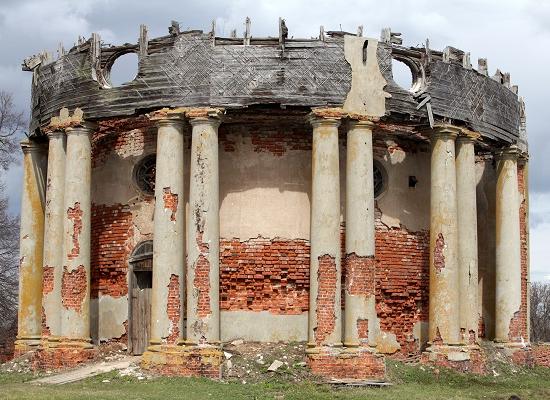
<point x="64" y="355"/>
<point x="360" y="363"/>
<point x="175" y="360"/>
<point x="469" y="359"/>
<point x="535" y="355"/>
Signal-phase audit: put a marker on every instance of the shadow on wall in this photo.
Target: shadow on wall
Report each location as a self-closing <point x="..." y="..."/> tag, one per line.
<point x="486" y="228"/>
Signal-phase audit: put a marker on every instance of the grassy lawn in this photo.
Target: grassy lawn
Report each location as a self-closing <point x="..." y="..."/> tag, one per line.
<point x="410" y="382"/>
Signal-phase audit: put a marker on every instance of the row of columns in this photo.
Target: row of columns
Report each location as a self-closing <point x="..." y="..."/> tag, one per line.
<point x="64" y="238"/>
<point x="55" y="239"/>
<point x="453" y="313"/>
<point x="202" y="272"/>
<point x="325" y="312"/>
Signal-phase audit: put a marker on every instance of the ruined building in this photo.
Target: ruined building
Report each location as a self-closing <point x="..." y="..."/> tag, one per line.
<point x="273" y="189"/>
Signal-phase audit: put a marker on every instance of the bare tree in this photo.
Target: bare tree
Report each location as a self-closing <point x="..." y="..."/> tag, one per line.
<point x="9" y="249"/>
<point x="11" y="124"/>
<point x="540" y="312"/>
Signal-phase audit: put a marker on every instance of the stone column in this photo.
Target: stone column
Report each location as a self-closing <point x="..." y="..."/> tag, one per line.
<point x="508" y="256"/>
<point x="444" y="326"/>
<point x="360" y="311"/>
<point x="31" y="247"/>
<point x="325" y="270"/>
<point x="168" y="233"/>
<point x="75" y="280"/>
<point x="203" y="242"/>
<point x="467" y="237"/>
<point x="53" y="235"/>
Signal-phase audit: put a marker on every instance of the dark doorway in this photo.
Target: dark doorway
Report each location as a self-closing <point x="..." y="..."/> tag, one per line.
<point x="141" y="282"/>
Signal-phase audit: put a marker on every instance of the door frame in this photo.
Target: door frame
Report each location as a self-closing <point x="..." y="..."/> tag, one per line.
<point x="143" y="251"/>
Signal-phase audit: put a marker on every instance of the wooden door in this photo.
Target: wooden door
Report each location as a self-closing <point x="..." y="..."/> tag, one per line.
<point x="141" y="312"/>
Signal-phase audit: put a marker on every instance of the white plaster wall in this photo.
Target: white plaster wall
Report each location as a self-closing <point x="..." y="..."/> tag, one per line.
<point x="401" y="205"/>
<point x="261" y="194"/>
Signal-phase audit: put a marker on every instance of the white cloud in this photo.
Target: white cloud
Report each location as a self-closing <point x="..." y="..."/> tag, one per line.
<point x="539" y="236"/>
<point x="510" y="33"/>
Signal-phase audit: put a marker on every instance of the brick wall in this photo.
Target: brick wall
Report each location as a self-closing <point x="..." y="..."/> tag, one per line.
<point x="264" y="275"/>
<point x="402" y="281"/>
<point x="126" y="136"/>
<point x="111" y="246"/>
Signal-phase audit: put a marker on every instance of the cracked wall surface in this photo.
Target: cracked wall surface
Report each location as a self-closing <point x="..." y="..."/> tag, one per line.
<point x="264" y="261"/>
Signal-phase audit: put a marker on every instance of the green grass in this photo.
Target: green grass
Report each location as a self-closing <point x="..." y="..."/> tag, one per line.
<point x="410" y="383"/>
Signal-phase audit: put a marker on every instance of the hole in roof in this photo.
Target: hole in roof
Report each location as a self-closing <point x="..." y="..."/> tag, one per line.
<point x="124" y="69"/>
<point x="402" y="74"/>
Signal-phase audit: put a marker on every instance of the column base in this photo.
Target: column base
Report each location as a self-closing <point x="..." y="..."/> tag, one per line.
<point x="177" y="360"/>
<point x="461" y="358"/>
<point x="25" y="344"/>
<point x="347" y="363"/>
<point x="60" y="353"/>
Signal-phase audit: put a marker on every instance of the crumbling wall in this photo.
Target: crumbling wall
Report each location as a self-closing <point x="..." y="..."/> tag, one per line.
<point x="121" y="218"/>
<point x="264" y="253"/>
<point x="265" y="179"/>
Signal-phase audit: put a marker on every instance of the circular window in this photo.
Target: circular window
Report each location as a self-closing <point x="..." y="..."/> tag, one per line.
<point x="380" y="179"/>
<point x="144" y="174"/>
<point x="123" y="70"/>
<point x="402" y="74"/>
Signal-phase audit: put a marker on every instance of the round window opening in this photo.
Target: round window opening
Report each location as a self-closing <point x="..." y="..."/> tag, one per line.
<point x="144" y="174"/>
<point x="380" y="179"/>
<point x="123" y="70"/>
<point x="402" y="75"/>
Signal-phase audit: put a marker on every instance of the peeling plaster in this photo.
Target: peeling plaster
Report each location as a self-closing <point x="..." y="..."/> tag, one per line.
<point x="367" y="95"/>
<point x="113" y="313"/>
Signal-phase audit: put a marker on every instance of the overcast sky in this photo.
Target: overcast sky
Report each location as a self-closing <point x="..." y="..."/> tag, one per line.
<point x="514" y="35"/>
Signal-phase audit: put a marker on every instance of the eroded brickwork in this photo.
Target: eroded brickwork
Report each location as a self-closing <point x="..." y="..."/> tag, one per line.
<point x="358" y="365"/>
<point x="124" y="136"/>
<point x="326" y="298"/>
<point x="536" y="355"/>
<point x="74" y="288"/>
<point x="201" y="282"/>
<point x="74" y="214"/>
<point x="264" y="275"/>
<point x="170" y="202"/>
<point x="111" y="246"/>
<point x="272" y="139"/>
<point x="47" y="288"/>
<point x="360" y="275"/>
<point x="475" y="364"/>
<point x="58" y="358"/>
<point x="363" y="330"/>
<point x="402" y="282"/>
<point x="185" y="361"/>
<point x="173" y="308"/>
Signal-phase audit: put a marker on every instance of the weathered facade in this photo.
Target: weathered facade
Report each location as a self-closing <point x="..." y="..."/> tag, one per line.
<point x="273" y="189"/>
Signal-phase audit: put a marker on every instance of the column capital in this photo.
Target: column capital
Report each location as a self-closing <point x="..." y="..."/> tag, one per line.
<point x="31" y="146"/>
<point x="510" y="152"/>
<point x="326" y="113"/>
<point x="81" y="128"/>
<point x="168" y="116"/>
<point x="361" y="123"/>
<point x="467" y="135"/>
<point x="444" y="131"/>
<point x="55" y="133"/>
<point x="65" y="121"/>
<point x="202" y="114"/>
